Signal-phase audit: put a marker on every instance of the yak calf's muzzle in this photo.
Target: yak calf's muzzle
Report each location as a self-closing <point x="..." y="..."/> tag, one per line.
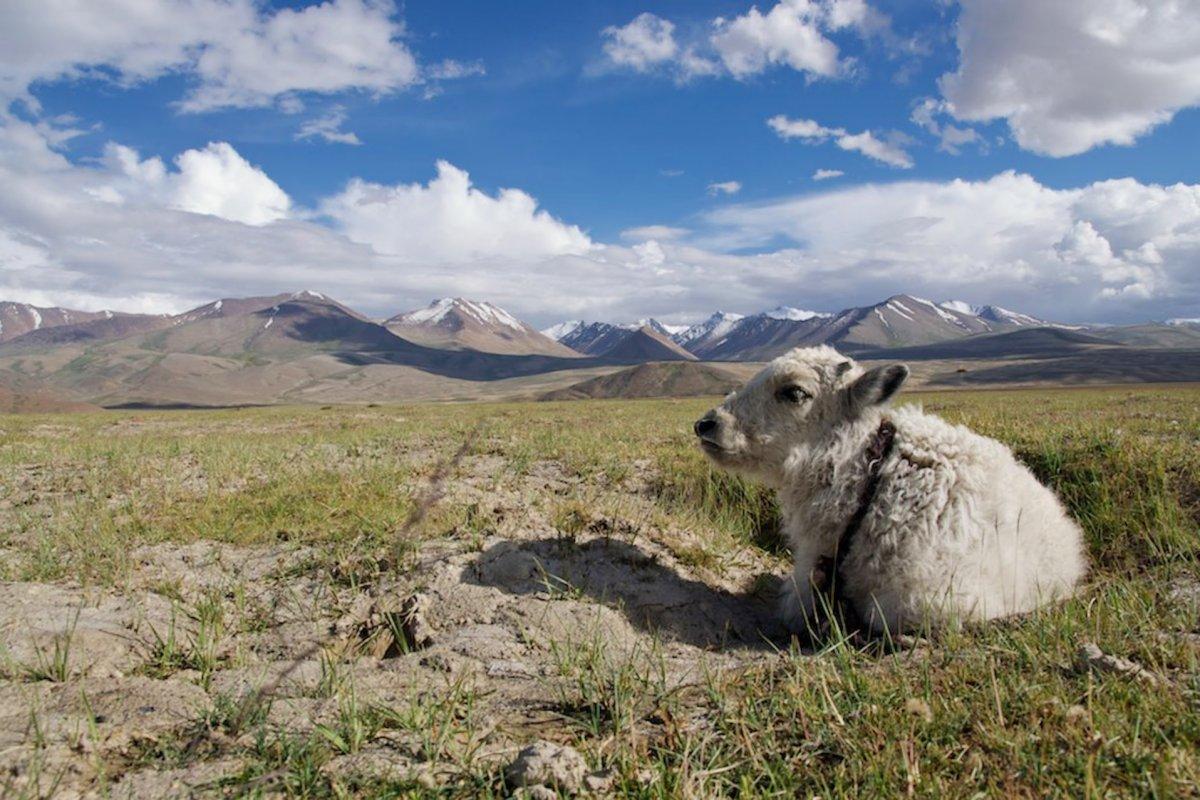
<point x="705" y="426"/>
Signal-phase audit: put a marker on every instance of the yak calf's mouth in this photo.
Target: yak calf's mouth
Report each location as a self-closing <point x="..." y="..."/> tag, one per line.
<point x="711" y="447"/>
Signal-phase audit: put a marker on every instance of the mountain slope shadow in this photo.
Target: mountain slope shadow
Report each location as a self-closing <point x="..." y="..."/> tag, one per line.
<point x="359" y="343"/>
<point x="652" y="595"/>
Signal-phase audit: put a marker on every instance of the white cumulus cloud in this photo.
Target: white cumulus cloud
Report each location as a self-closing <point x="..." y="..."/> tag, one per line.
<point x="827" y="174"/>
<point x="1070" y="76"/>
<point x="791" y="33"/>
<point x="236" y="53"/>
<point x="448" y="219"/>
<point x="647" y="41"/>
<point x="216" y="180"/>
<point x="888" y="151"/>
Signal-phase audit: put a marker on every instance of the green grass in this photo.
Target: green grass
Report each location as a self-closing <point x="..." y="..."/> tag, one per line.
<point x="1008" y="712"/>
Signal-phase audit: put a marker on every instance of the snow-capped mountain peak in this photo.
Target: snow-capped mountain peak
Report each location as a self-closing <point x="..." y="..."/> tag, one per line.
<point x="660" y="327"/>
<point x="480" y="311"/>
<point x="1004" y="315"/>
<point x="715" y="327"/>
<point x="562" y="329"/>
<point x="794" y="314"/>
<point x="456" y="323"/>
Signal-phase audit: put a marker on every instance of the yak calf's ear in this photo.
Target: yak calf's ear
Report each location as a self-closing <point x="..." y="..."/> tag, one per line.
<point x="876" y="386"/>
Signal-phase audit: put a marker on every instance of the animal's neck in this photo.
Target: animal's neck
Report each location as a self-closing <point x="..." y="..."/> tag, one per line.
<point x="824" y="476"/>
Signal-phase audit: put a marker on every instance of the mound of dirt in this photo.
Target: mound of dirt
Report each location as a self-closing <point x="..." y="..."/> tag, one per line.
<point x="656" y="379"/>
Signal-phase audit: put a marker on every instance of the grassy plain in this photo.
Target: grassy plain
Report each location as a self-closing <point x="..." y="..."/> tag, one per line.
<point x="106" y="508"/>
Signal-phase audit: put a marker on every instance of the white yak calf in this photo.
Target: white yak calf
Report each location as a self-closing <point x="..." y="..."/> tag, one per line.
<point x="894" y="516"/>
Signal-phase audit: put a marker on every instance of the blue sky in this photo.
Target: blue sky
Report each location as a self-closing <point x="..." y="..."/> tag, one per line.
<point x="608" y="118"/>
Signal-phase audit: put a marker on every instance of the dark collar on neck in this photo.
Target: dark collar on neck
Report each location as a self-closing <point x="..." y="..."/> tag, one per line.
<point x="878" y="449"/>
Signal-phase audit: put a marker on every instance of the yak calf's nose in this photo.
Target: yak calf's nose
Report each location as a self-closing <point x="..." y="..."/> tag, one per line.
<point x="704" y="425"/>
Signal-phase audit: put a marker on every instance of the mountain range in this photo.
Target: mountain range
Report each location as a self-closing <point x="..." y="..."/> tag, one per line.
<point x="901" y="320"/>
<point x="307" y="347"/>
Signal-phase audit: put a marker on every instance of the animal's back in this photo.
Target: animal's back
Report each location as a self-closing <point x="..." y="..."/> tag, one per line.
<point x="959" y="529"/>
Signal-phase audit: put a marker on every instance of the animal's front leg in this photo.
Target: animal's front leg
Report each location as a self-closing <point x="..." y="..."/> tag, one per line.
<point x="799" y="604"/>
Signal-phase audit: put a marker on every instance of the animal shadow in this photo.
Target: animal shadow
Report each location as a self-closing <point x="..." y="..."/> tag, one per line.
<point x="652" y="595"/>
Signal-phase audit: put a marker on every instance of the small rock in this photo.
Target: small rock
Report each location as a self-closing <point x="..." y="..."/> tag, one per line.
<point x="912" y="646"/>
<point x="420" y="633"/>
<point x="918" y="708"/>
<point x="1076" y="714"/>
<point x="1186" y="590"/>
<point x="547" y="764"/>
<point x="1091" y="657"/>
<point x="426" y="779"/>
<point x="600" y="781"/>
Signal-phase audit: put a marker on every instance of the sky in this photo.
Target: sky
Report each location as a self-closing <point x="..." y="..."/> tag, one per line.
<point x="604" y="159"/>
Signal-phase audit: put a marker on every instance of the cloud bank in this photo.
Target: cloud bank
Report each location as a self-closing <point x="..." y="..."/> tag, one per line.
<point x="146" y="233"/>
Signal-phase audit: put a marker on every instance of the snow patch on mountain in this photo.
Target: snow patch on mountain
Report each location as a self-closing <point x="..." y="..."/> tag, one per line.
<point x="998" y="314"/>
<point x="901" y="309"/>
<point x="482" y="312"/>
<point x="563" y="329"/>
<point x="794" y="314"/>
<point x="664" y="328"/>
<point x="715" y="327"/>
<point x="961" y="306"/>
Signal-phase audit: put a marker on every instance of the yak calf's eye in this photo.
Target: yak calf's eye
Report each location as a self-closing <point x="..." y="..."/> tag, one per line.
<point x="793" y="394"/>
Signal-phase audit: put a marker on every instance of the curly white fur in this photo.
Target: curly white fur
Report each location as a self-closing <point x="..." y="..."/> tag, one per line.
<point x="958" y="529"/>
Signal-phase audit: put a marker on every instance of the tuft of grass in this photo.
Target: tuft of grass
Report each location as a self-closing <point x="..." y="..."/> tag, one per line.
<point x="54" y="664"/>
<point x="687" y="484"/>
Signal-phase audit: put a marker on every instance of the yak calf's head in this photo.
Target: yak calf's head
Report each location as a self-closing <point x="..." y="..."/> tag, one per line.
<point x="798" y="396"/>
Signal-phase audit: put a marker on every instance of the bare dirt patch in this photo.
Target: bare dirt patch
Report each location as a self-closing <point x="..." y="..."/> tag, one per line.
<point x="514" y="629"/>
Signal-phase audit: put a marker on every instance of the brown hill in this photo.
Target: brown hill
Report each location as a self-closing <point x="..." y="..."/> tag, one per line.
<point x="18" y="320"/>
<point x="1097" y="366"/>
<point x="1021" y="343"/>
<point x="658" y="379"/>
<point x="641" y="344"/>
<point x="1152" y="335"/>
<point x="39" y="402"/>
